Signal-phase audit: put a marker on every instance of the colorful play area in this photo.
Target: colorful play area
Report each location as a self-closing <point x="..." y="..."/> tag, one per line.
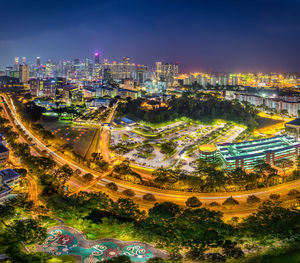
<point x="63" y="242"/>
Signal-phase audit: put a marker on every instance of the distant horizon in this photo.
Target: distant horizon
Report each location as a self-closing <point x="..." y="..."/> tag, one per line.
<point x="32" y="61"/>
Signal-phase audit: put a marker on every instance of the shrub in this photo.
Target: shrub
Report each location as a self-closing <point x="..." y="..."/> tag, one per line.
<point x="214" y="204"/>
<point x="293" y="192"/>
<point x="230" y="201"/>
<point x="253" y="199"/>
<point x="274" y="196"/>
<point x="87" y="177"/>
<point x="129" y="192"/>
<point x="193" y="202"/>
<point x="149" y="197"/>
<point x="112" y="186"/>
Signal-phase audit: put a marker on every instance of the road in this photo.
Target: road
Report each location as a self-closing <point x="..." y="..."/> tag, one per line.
<point x="33" y="189"/>
<point x="161" y="195"/>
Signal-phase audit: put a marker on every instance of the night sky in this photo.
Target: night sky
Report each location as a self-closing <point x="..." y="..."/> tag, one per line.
<point x="209" y="35"/>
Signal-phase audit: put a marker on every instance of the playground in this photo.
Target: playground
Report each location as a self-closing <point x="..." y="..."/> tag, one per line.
<point x="62" y="240"/>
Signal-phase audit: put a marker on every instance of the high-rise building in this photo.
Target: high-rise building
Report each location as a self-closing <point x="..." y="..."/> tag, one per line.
<point x="234" y="80"/>
<point x="158" y="70"/>
<point x="120" y="71"/>
<point x="16" y="63"/>
<point x="213" y="81"/>
<point x="38" y="61"/>
<point x="140" y="73"/>
<point x="203" y="81"/>
<point x="24" y="60"/>
<point x="170" y="73"/>
<point x="97" y="57"/>
<point x="24" y="73"/>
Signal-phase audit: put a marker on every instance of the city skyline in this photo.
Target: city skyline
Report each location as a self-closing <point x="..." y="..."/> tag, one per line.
<point x="217" y="36"/>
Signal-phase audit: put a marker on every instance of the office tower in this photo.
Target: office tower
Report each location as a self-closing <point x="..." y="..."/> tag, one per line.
<point x="8" y="71"/>
<point x="16" y="63"/>
<point x="24" y="60"/>
<point x="170" y="73"/>
<point x="24" y="73"/>
<point x="38" y="61"/>
<point x="97" y="57"/>
<point x="120" y="71"/>
<point x="140" y="73"/>
<point x="158" y="70"/>
<point x="88" y="68"/>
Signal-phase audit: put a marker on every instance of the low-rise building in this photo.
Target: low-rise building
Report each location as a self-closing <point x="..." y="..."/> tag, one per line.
<point x="4" y="153"/>
<point x="8" y="178"/>
<point x="246" y="154"/>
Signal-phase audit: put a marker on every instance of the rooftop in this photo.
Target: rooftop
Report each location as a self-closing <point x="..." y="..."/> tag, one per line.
<point x="8" y="174"/>
<point x="234" y="151"/>
<point x="294" y="122"/>
<point x="3" y="148"/>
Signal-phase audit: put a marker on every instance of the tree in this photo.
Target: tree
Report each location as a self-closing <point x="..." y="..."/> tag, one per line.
<point x="284" y="164"/>
<point x="231" y="250"/>
<point x="149" y="197"/>
<point x="230" y="201"/>
<point x="274" y="196"/>
<point x="6" y="212"/>
<point x="119" y="259"/>
<point x="129" y="192"/>
<point x="253" y="199"/>
<point x="128" y="209"/>
<point x="29" y="231"/>
<point x="112" y="186"/>
<point x="293" y="192"/>
<point x="271" y="221"/>
<point x="87" y="177"/>
<point x="193" y="202"/>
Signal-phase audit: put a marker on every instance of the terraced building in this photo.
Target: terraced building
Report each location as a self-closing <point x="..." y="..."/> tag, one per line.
<point x="246" y="154"/>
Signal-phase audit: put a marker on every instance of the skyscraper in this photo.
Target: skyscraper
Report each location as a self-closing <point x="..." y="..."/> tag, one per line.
<point x="38" y="61"/>
<point x="97" y="57"/>
<point x="24" y="73"/>
<point x="16" y="63"/>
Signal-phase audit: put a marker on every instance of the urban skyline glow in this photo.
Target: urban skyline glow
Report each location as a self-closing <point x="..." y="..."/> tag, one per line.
<point x="201" y="35"/>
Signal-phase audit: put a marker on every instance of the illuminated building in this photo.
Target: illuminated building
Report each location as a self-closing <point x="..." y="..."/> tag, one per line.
<point x="38" y="61"/>
<point x="16" y="63"/>
<point x="234" y="80"/>
<point x="203" y="81"/>
<point x="155" y="87"/>
<point x="97" y="58"/>
<point x="129" y="84"/>
<point x="246" y="154"/>
<point x="213" y="81"/>
<point x="158" y="70"/>
<point x="24" y="73"/>
<point x="43" y="87"/>
<point x="120" y="71"/>
<point x="208" y="152"/>
<point x="140" y="73"/>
